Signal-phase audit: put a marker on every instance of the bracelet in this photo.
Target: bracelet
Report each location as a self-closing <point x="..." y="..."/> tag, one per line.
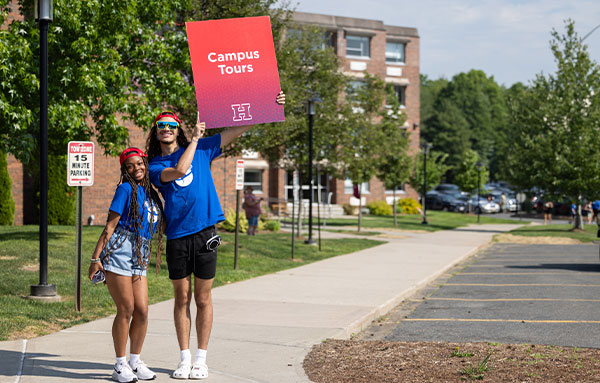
<point x="95" y="260"/>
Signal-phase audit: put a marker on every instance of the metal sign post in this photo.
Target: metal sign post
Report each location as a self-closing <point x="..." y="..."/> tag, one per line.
<point x="239" y="185"/>
<point x="80" y="172"/>
<point x="294" y="178"/>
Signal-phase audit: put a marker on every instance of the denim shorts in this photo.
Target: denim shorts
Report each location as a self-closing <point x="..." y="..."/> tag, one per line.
<point x="122" y="260"/>
<point x="253" y="221"/>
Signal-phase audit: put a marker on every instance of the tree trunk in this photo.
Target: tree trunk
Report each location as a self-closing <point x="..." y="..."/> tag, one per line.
<point x="359" y="208"/>
<point x="394" y="202"/>
<point x="578" y="219"/>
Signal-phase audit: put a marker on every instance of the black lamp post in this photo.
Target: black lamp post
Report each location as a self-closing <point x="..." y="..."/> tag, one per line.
<point x="479" y="165"/>
<point x="43" y="13"/>
<point x="311" y="116"/>
<point x="425" y="146"/>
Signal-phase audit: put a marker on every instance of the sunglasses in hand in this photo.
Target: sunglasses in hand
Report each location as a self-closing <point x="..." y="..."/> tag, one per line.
<point x="98" y="277"/>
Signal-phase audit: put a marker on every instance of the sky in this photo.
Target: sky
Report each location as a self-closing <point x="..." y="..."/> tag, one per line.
<point x="507" y="39"/>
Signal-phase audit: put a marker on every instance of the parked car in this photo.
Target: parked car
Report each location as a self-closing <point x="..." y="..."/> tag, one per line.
<point x="448" y="188"/>
<point x="510" y="201"/>
<point x="484" y="205"/>
<point x="446" y="202"/>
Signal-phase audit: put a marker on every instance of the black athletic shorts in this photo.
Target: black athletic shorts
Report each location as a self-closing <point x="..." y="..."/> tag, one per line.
<point x="187" y="255"/>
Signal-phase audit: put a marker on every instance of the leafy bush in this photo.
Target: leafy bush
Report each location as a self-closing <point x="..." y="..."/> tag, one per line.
<point x="349" y="209"/>
<point x="409" y="206"/>
<point x="272" y="225"/>
<point x="62" y="198"/>
<point x="7" y="203"/>
<point x="380" y="208"/>
<point x="229" y="223"/>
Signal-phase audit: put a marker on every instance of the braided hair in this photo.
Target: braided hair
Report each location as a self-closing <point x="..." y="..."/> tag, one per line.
<point x="153" y="144"/>
<point x="136" y="221"/>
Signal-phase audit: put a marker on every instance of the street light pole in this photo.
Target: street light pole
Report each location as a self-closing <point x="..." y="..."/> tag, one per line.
<point x="479" y="165"/>
<point x="425" y="146"/>
<point x="43" y="11"/>
<point x="311" y="115"/>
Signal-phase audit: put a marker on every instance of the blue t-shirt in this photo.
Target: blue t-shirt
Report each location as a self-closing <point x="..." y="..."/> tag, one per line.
<point x="191" y="202"/>
<point x="148" y="212"/>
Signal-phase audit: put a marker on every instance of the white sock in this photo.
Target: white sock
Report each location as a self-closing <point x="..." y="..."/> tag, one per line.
<point x="185" y="355"/>
<point x="121" y="359"/>
<point x="133" y="358"/>
<point x="200" y="356"/>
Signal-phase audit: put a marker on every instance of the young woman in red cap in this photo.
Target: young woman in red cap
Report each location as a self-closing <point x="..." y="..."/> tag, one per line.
<point x="121" y="258"/>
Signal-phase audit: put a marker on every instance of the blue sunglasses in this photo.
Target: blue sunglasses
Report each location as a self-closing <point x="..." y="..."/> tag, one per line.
<point x="167" y="125"/>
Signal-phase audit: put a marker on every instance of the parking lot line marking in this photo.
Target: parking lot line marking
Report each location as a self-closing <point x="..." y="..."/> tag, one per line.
<point x="520" y="284"/>
<point x="507" y="300"/>
<point x="500" y="320"/>
<point x="525" y="273"/>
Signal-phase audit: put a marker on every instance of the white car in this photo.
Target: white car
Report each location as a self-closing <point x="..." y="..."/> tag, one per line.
<point x="484" y="205"/>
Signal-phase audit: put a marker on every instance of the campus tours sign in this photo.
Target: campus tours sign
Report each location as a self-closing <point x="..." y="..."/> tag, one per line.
<point x="235" y="71"/>
<point x="80" y="164"/>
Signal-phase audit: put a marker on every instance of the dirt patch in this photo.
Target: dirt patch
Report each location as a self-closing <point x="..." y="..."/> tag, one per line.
<point x="30" y="267"/>
<point x="347" y="361"/>
<point x="7" y="257"/>
<point x="30" y="332"/>
<point x="510" y="238"/>
<point x="392" y="236"/>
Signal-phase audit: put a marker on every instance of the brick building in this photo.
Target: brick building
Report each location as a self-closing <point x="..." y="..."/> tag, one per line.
<point x="390" y="52"/>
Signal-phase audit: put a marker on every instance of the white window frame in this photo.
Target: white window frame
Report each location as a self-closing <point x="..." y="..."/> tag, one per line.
<point x="365" y="188"/>
<point x="256" y="186"/>
<point x="390" y="54"/>
<point x="362" y="49"/>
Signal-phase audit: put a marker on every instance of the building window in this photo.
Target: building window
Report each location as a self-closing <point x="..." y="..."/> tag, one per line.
<point x="253" y="177"/>
<point x="394" y="53"/>
<point x="349" y="187"/>
<point x="358" y="46"/>
<point x="400" y="91"/>
<point x="400" y="190"/>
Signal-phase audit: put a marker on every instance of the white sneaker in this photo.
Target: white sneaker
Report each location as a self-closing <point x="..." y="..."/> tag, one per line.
<point x="199" y="371"/>
<point x="142" y="371"/>
<point x="183" y="371"/>
<point x="122" y="373"/>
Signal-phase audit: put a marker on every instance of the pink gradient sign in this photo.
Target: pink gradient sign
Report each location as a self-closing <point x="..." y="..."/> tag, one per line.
<point x="235" y="71"/>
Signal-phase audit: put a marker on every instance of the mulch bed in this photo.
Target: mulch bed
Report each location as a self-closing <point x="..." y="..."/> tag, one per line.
<point x="351" y="361"/>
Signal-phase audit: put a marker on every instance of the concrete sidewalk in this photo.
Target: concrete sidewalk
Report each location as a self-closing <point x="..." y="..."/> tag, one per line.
<point x="263" y="327"/>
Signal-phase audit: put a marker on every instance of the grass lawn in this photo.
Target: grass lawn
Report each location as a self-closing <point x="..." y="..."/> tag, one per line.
<point x="559" y="230"/>
<point x="438" y="220"/>
<point x="19" y="269"/>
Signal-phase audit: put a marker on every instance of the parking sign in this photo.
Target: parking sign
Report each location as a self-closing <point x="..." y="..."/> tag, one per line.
<point x="239" y="175"/>
<point x="80" y="165"/>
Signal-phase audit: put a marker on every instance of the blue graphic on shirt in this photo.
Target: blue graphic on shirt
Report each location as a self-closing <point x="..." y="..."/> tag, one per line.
<point x="148" y="212"/>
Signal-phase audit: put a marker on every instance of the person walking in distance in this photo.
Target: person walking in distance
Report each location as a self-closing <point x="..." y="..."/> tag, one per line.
<point x="121" y="258"/>
<point x="252" y="209"/>
<point x="181" y="171"/>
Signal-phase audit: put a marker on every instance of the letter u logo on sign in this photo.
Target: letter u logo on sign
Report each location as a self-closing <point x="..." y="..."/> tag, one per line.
<point x="241" y="112"/>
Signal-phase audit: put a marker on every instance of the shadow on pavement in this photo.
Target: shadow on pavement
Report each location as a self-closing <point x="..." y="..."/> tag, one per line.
<point x="587" y="267"/>
<point x="45" y="365"/>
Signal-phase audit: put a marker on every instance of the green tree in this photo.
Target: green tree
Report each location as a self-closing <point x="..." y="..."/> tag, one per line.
<point x="436" y="168"/>
<point x="467" y="112"/>
<point x="7" y="203"/>
<point x="360" y="137"/>
<point x="467" y="173"/>
<point x="394" y="164"/>
<point x="555" y="144"/>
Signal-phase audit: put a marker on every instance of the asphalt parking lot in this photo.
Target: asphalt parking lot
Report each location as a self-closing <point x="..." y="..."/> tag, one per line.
<point x="508" y="293"/>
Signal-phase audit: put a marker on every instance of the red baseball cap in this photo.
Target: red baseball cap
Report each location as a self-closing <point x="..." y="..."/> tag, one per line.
<point x="167" y="113"/>
<point x="131" y="152"/>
